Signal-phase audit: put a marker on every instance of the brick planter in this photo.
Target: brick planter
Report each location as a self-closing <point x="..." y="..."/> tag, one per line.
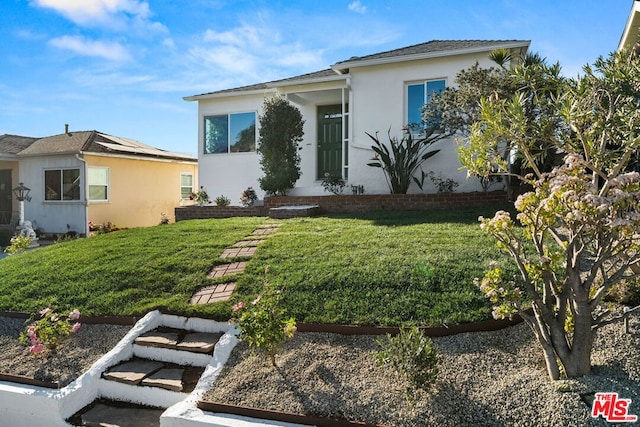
<point x="204" y="212"/>
<point x="345" y="204"/>
<point x="392" y="202"/>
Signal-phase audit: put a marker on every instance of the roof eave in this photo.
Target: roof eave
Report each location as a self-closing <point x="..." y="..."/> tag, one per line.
<point x="341" y="66"/>
<point x="631" y="33"/>
<point x="297" y="82"/>
<point x="226" y="94"/>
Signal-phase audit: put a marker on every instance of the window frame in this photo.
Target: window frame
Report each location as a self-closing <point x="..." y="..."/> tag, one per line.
<point x="228" y="117"/>
<point x="107" y="185"/>
<point x="182" y="187"/>
<point x="61" y="183"/>
<point x="418" y="128"/>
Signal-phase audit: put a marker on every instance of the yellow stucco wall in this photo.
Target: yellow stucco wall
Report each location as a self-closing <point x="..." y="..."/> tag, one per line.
<point x="139" y="190"/>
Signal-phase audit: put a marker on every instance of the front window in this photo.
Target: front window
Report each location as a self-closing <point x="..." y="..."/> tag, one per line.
<point x="98" y="184"/>
<point x="230" y="133"/>
<point x="419" y="94"/>
<point x="186" y="185"/>
<point x="62" y="184"/>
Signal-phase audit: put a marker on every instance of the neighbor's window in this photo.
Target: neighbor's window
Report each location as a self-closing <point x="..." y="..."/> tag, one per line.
<point x="62" y="184"/>
<point x="230" y="133"/>
<point x="186" y="185"/>
<point x="98" y="184"/>
<point x="419" y="94"/>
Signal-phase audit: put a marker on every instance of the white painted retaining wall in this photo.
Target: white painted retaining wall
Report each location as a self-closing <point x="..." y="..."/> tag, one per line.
<point x="24" y="405"/>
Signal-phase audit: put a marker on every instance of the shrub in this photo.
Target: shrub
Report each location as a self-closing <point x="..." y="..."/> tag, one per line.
<point x="19" y="243"/>
<point x="200" y="197"/>
<point x="333" y="183"/>
<point x="403" y="160"/>
<point x="104" y="228"/>
<point x="222" y="201"/>
<point x="49" y="330"/>
<point x="281" y="130"/>
<point x="444" y="185"/>
<point x="248" y="197"/>
<point x="263" y="323"/>
<point x="411" y="354"/>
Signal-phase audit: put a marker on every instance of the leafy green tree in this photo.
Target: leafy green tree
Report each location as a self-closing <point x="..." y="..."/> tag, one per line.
<point x="582" y="218"/>
<point x="281" y="130"/>
<point x="529" y="78"/>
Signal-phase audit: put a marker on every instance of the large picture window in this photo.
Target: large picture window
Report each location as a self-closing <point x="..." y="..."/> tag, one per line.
<point x="62" y="184"/>
<point x="419" y="94"/>
<point x="230" y="133"/>
<point x="98" y="184"/>
<point x="186" y="185"/>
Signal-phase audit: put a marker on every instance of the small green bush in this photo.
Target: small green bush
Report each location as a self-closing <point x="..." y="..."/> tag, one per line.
<point x="19" y="243"/>
<point x="222" y="201"/>
<point x="411" y="354"/>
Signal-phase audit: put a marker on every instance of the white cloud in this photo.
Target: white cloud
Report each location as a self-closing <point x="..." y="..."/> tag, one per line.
<point x="114" y="14"/>
<point x="108" y="50"/>
<point x="357" y="7"/>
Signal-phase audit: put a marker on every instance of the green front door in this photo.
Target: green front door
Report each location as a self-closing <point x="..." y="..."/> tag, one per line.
<point x="5" y="196"/>
<point x="329" y="141"/>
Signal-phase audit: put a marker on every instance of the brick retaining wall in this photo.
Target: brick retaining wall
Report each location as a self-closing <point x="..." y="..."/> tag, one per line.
<point x="349" y="203"/>
<point x="393" y="202"/>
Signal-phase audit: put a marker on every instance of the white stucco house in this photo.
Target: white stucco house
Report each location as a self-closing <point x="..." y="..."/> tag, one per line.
<point x="371" y="94"/>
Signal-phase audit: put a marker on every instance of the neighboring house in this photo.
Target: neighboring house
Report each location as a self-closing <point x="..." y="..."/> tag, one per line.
<point x="631" y="34"/>
<point x="374" y="93"/>
<point x="77" y="177"/>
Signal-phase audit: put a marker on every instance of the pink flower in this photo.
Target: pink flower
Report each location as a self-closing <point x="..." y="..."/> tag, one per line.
<point x="45" y="311"/>
<point x="31" y="331"/>
<point x="74" y="315"/>
<point x="75" y="327"/>
<point x="35" y="349"/>
<point x="54" y="317"/>
<point x="237" y="307"/>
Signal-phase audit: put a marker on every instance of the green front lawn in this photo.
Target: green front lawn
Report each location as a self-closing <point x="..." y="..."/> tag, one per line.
<point x="380" y="268"/>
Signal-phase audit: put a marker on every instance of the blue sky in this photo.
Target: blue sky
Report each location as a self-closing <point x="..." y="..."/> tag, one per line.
<point x="123" y="66"/>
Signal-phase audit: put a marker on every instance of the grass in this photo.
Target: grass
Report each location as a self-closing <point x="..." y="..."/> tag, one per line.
<point x="380" y="268"/>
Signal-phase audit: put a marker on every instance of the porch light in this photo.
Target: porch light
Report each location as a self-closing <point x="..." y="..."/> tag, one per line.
<point x="22" y="192"/>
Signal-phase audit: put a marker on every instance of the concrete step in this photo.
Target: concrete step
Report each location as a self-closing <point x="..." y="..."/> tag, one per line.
<point x="153" y="373"/>
<point x="117" y="414"/>
<point x="176" y="339"/>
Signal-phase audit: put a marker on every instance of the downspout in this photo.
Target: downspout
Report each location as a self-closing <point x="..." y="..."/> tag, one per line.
<point x="84" y="189"/>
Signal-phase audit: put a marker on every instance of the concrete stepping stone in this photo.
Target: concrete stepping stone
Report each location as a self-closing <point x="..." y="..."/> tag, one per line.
<point x="133" y="372"/>
<point x="250" y="243"/>
<point x="227" y="269"/>
<point x="102" y="415"/>
<point x="214" y="293"/>
<point x="199" y="342"/>
<point x="167" y="378"/>
<point x="158" y="339"/>
<point x="236" y="252"/>
<point x="263" y="231"/>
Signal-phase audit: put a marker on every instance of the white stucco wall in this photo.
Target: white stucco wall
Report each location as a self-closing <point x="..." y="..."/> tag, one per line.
<point x="228" y="174"/>
<point x="52" y="216"/>
<point x="377" y="104"/>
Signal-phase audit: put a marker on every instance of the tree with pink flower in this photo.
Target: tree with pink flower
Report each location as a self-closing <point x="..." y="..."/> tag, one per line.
<point x="579" y="226"/>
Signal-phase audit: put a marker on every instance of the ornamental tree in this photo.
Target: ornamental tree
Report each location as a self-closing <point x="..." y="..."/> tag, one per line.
<point x="581" y="221"/>
<point x="281" y="130"/>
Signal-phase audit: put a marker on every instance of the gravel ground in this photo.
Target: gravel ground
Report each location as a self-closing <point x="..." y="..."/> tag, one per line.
<point x="487" y="378"/>
<point x="73" y="356"/>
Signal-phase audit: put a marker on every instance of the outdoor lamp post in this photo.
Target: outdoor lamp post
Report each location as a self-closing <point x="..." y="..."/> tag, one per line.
<point x="22" y="194"/>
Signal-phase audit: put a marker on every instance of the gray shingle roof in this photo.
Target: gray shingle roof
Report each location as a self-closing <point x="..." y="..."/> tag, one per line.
<point x="94" y="142"/>
<point x="13" y="144"/>
<point x="431" y="47"/>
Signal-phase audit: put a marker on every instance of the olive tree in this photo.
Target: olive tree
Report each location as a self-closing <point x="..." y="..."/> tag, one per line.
<point x="281" y="130"/>
<point x="581" y="221"/>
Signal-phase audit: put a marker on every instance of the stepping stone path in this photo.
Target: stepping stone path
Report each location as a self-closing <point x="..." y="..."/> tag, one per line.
<point x="194" y="349"/>
<point x="242" y="248"/>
